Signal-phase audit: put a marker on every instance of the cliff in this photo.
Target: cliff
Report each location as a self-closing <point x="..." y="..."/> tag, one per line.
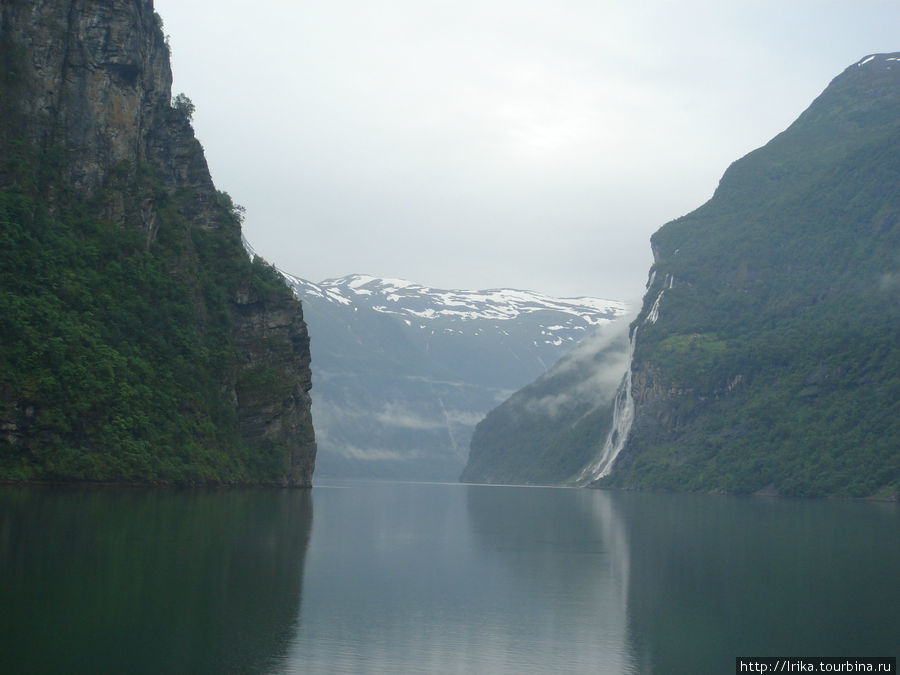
<point x="138" y="340"/>
<point x="766" y="356"/>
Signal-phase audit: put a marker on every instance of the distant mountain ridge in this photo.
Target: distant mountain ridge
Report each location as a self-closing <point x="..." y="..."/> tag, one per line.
<point x="403" y="371"/>
<point x="405" y="298"/>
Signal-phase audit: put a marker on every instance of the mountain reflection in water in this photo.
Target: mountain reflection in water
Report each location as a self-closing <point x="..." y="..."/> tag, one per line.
<point x="437" y="578"/>
<point x="149" y="580"/>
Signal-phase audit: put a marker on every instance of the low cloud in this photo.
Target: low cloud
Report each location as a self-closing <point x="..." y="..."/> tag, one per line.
<point x="376" y="454"/>
<point x="590" y="374"/>
<point x="397" y="415"/>
<point x="889" y="282"/>
<point x="465" y="417"/>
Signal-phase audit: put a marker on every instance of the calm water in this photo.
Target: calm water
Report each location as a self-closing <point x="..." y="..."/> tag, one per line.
<point x="437" y="578"/>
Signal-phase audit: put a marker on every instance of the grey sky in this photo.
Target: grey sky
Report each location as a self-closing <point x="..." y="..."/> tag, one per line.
<point x="533" y="144"/>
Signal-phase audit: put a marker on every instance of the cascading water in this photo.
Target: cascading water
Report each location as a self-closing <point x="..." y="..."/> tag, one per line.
<point x="653" y="314"/>
<point x="623" y="408"/>
<point x="623" y="415"/>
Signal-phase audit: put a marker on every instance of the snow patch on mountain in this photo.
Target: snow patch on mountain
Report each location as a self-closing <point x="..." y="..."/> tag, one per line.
<point x="407" y="299"/>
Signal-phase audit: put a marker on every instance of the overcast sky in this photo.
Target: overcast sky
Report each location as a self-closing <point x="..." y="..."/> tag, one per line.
<point x="532" y="144"/>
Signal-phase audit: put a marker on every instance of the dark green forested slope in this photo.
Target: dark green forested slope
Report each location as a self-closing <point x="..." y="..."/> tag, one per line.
<point x="103" y="349"/>
<point x="546" y="433"/>
<point x="775" y="360"/>
<point x="136" y="338"/>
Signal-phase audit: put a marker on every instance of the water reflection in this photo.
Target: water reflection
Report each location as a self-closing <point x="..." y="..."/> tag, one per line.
<point x="437" y="578"/>
<point x="453" y="578"/>
<point x="684" y="583"/>
<point x="713" y="578"/>
<point x="390" y="582"/>
<point x="567" y="553"/>
<point x="106" y="580"/>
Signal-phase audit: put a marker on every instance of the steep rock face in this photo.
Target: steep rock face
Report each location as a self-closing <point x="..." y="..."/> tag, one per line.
<point x="766" y="357"/>
<point x="273" y="383"/>
<point x="96" y="76"/>
<point x="93" y="79"/>
<point x="89" y="135"/>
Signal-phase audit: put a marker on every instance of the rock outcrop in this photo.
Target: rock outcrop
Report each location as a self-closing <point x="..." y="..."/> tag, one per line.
<point x="271" y="337"/>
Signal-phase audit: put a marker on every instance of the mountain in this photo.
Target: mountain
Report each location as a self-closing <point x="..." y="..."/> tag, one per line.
<point x="766" y="356"/>
<point x="546" y="433"/>
<point x="138" y="341"/>
<point x="403" y="372"/>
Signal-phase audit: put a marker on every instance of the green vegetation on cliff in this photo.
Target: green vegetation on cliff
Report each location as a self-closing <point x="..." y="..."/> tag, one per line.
<point x="138" y="341"/>
<point x="114" y="351"/>
<point x="775" y="361"/>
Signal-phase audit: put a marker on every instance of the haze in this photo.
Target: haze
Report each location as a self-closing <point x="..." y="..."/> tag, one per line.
<point x="533" y="144"/>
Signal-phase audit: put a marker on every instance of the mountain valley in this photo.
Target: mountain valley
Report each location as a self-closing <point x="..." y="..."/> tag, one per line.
<point x="403" y="372"/>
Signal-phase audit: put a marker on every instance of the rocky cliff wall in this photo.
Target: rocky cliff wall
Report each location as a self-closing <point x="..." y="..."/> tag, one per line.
<point x="86" y="98"/>
<point x="95" y="76"/>
<point x="93" y="79"/>
<point x="272" y="339"/>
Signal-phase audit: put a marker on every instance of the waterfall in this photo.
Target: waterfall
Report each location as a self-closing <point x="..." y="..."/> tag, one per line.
<point x="653" y="314"/>
<point x="623" y="408"/>
<point x="623" y="415"/>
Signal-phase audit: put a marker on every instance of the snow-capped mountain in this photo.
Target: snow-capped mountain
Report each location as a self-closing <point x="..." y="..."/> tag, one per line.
<point x="403" y="372"/>
<point x="558" y="320"/>
<point x="398" y="296"/>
